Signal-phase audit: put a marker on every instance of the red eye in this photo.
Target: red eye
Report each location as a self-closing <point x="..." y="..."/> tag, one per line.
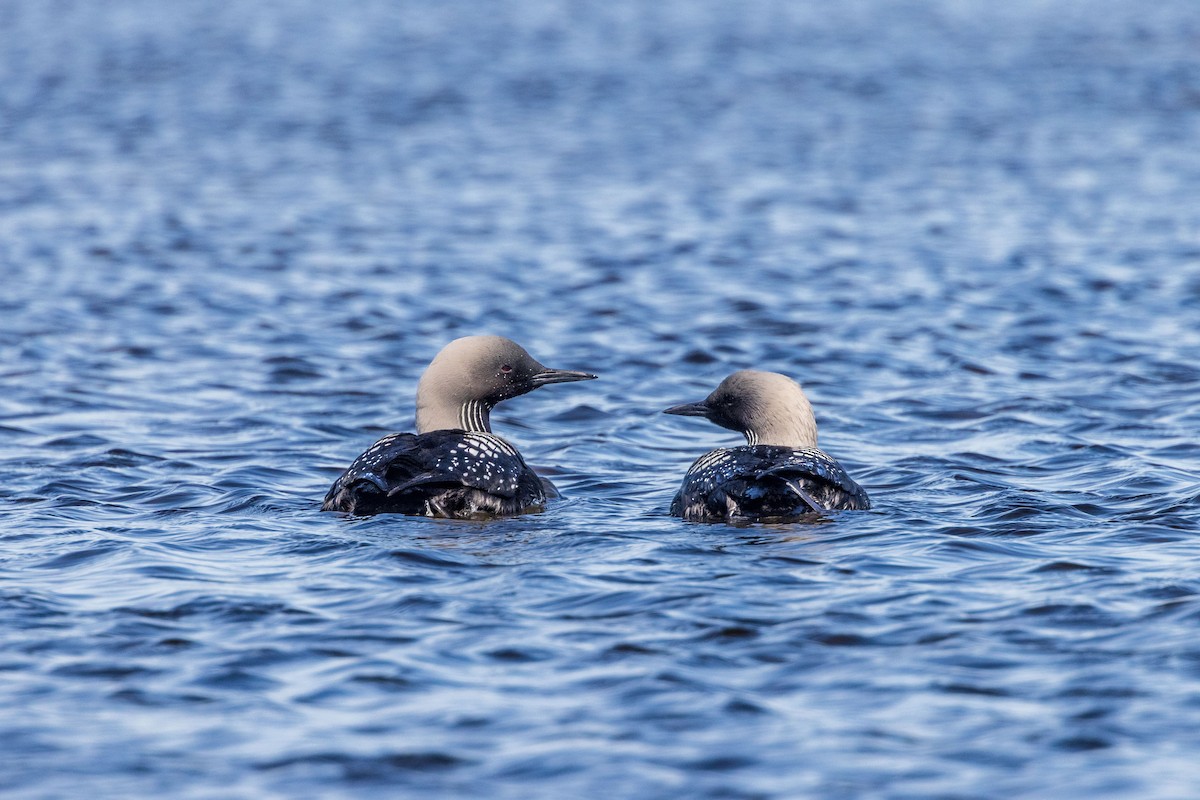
<point x="506" y="369"/>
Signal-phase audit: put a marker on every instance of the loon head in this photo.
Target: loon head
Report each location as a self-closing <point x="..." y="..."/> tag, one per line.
<point x="766" y="407"/>
<point x="471" y="375"/>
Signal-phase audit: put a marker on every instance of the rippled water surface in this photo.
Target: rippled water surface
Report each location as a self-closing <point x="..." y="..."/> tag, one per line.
<point x="232" y="236"/>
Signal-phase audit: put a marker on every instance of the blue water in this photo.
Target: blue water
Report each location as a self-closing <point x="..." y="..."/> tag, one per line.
<point x="232" y="236"/>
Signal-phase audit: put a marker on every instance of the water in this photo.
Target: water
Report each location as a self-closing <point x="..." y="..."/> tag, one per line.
<point x="232" y="236"/>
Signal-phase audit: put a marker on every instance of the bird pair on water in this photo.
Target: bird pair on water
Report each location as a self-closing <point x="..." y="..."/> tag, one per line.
<point x="454" y="466"/>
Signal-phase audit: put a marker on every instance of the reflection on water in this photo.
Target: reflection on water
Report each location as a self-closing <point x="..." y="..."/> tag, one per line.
<point x="232" y="237"/>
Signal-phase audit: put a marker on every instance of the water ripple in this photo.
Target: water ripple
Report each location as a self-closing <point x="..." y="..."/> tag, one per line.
<point x="232" y="237"/>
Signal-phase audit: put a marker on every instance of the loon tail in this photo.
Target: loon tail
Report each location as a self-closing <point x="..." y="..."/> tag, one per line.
<point x="418" y="480"/>
<point x="805" y="496"/>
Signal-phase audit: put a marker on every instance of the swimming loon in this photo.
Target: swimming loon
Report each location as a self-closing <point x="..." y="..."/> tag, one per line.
<point x="454" y="466"/>
<point x="779" y="474"/>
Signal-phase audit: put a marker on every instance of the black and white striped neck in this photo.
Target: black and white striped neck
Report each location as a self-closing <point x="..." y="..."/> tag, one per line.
<point x="475" y="415"/>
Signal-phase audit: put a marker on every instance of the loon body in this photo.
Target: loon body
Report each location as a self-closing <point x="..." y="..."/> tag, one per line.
<point x="454" y="466"/>
<point x="780" y="474"/>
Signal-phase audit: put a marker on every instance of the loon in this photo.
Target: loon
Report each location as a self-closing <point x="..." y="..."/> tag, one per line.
<point x="779" y="474"/>
<point x="454" y="466"/>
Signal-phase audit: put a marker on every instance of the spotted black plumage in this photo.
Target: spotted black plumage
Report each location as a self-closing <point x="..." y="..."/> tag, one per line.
<point x="765" y="482"/>
<point x="779" y="474"/>
<point x="454" y="466"/>
<point x="448" y="473"/>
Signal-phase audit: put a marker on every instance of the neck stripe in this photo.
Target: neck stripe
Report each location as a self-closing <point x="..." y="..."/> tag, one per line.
<point x="473" y="416"/>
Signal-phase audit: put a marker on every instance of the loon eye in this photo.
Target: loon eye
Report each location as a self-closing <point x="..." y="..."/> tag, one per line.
<point x="506" y="369"/>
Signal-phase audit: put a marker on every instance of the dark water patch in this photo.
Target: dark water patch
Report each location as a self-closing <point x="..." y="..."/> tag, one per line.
<point x="77" y="558"/>
<point x="1082" y="743"/>
<point x="721" y="764"/>
<point x="77" y="441"/>
<point x="388" y="683"/>
<point x="236" y="680"/>
<point x="1169" y="591"/>
<point x="427" y="559"/>
<point x="1071" y="566"/>
<point x="369" y="768"/>
<point x="145" y="699"/>
<point x="985" y="691"/>
<point x="101" y="671"/>
<point x="233" y="610"/>
<point x="170" y="572"/>
<point x="119" y="457"/>
<point x="520" y="655"/>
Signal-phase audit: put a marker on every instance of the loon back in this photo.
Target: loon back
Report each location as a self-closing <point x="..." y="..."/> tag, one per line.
<point x="444" y="473"/>
<point x="765" y="482"/>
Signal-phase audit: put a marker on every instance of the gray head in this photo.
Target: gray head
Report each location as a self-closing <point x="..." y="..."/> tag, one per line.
<point x="768" y="408"/>
<point x="471" y="375"/>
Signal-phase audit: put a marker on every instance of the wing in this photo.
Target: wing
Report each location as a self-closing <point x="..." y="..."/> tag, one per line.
<point x="765" y="481"/>
<point x="366" y="477"/>
<point x="404" y="472"/>
<point x="816" y="478"/>
<point x="713" y="485"/>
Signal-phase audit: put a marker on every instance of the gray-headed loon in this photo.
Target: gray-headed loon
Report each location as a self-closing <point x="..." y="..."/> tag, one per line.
<point x="779" y="474"/>
<point x="454" y="466"/>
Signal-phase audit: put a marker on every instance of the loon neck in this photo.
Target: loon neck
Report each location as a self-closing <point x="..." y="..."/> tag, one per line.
<point x="469" y="415"/>
<point x="475" y="415"/>
<point x="798" y="436"/>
